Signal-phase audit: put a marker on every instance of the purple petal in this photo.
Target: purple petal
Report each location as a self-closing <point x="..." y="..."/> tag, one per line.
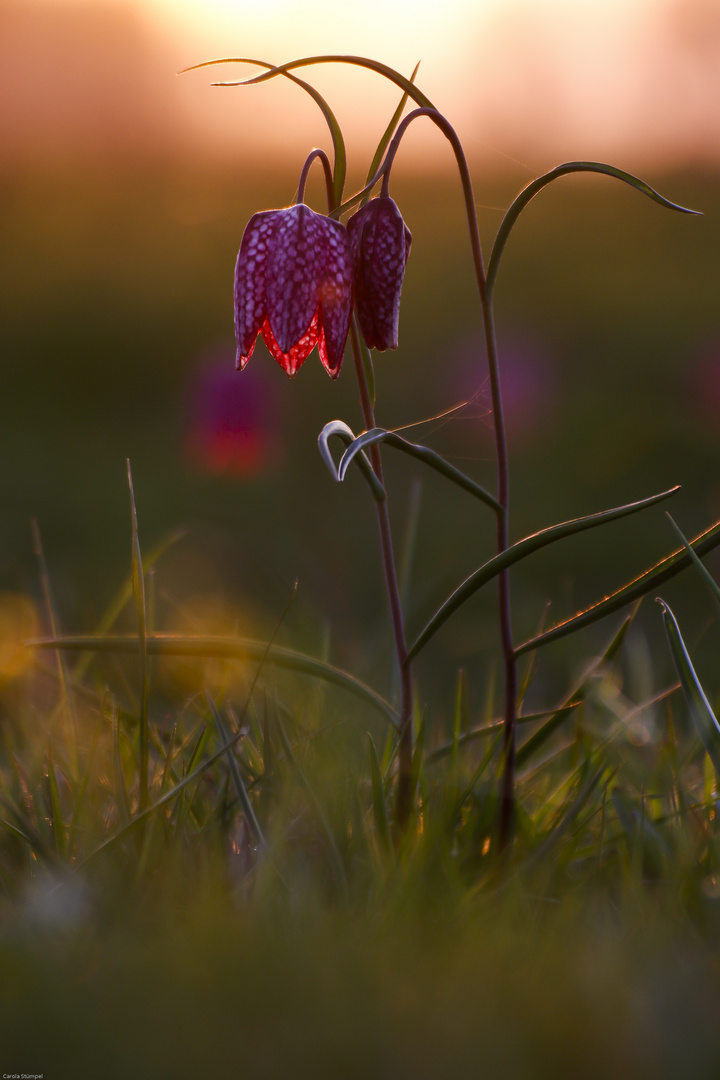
<point x="294" y="273"/>
<point x="250" y="275"/>
<point x="336" y="295"/>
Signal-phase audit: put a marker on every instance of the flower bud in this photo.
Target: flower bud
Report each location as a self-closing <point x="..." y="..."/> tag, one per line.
<point x="380" y="245"/>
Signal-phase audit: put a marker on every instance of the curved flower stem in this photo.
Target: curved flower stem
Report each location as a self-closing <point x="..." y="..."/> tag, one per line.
<point x="327" y="169"/>
<point x="393" y="593"/>
<point x="507" y="795"/>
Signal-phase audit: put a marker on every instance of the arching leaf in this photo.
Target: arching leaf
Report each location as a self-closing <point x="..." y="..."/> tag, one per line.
<point x="521" y="550"/>
<point x="230" y="648"/>
<point x="532" y="190"/>
<point x="657" y="575"/>
<point x="307" y="61"/>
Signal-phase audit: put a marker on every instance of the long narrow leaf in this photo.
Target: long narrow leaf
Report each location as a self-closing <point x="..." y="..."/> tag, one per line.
<point x="699" y="566"/>
<point x="389" y="131"/>
<point x="529" y="193"/>
<point x="521" y="550"/>
<point x="247" y="807"/>
<point x="307" y="61"/>
<point x="651" y="579"/>
<point x="228" y="648"/>
<point x="537" y="740"/>
<point x="703" y="717"/>
<point x="422" y="453"/>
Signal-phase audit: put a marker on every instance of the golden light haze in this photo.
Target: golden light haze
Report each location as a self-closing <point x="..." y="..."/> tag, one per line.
<point x="536" y="80"/>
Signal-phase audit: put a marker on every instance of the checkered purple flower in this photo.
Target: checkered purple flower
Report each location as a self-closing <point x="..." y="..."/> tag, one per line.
<point x="294" y="285"/>
<point x="380" y="245"/>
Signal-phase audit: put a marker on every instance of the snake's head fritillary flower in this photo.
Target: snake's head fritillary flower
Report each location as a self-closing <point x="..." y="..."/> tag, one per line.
<point x="294" y="285"/>
<point x="380" y="244"/>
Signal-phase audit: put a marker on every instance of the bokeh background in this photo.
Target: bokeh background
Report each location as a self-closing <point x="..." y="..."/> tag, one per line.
<point x="124" y="191"/>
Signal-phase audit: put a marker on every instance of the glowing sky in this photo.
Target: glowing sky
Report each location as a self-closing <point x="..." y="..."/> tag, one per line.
<point x="534" y="79"/>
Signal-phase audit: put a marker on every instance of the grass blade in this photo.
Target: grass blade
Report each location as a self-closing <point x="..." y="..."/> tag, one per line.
<point x="521" y="550"/>
<point x="227" y="648"/>
<point x="58" y="826"/>
<point x="33" y="842"/>
<point x="702" y="715"/>
<point x="319" y="812"/>
<point x="123" y="595"/>
<point x="138" y="580"/>
<point x="418" y="762"/>
<point x="121" y="791"/>
<point x="699" y="566"/>
<point x="79" y="802"/>
<point x="538" y="739"/>
<point x="247" y="807"/>
<point x="380" y="814"/>
<point x="54" y="627"/>
<point x="459" y="716"/>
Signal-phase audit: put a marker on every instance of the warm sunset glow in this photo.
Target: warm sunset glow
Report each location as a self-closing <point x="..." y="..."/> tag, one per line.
<point x="529" y="79"/>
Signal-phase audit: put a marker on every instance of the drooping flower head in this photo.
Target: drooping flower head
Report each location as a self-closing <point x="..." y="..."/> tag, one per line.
<point x="380" y="243"/>
<point x="294" y="285"/>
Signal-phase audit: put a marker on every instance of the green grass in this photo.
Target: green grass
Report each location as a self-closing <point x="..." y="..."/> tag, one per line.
<point x="265" y="912"/>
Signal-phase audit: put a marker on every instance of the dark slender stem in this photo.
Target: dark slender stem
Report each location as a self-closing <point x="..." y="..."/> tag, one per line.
<point x="507" y="795"/>
<point x="321" y="156"/>
<point x="393" y="593"/>
<point x="386" y="547"/>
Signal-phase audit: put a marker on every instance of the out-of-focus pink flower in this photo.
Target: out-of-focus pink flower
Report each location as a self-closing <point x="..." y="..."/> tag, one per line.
<point x="528" y="379"/>
<point x="293" y="285"/>
<point x="380" y="243"/>
<point x="231" y="423"/>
